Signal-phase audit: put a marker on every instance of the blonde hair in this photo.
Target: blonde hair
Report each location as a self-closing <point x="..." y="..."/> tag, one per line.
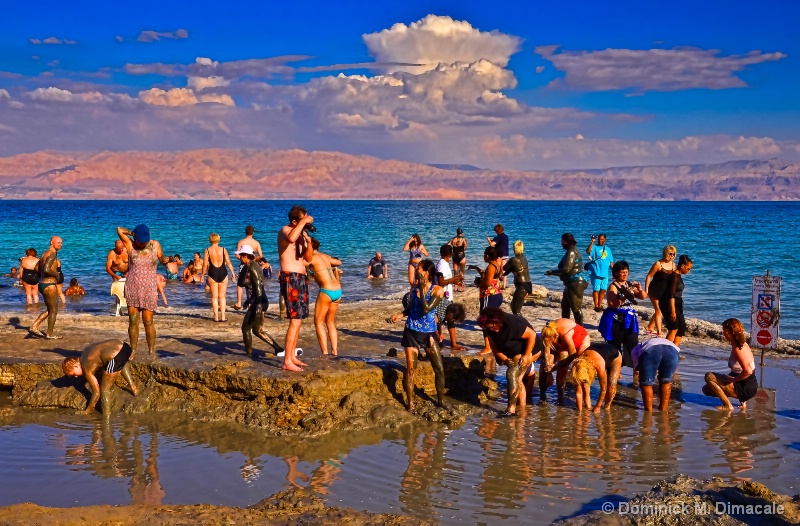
<point x="549" y="335"/>
<point x="69" y="364"/>
<point x="519" y="247"/>
<point x="736" y="330"/>
<point x="582" y="372"/>
<point x="667" y="249"/>
<point x="214" y="238"/>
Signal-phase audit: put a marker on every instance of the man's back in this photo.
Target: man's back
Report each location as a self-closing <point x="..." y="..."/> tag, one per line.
<point x="255" y="245"/>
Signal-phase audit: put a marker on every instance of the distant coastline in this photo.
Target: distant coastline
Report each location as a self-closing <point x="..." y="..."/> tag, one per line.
<point x="233" y="174"/>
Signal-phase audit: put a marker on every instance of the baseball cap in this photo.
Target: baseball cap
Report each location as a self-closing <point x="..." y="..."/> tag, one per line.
<point x="141" y="233"/>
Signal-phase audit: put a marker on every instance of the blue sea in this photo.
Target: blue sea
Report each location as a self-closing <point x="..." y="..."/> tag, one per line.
<point x="729" y="242"/>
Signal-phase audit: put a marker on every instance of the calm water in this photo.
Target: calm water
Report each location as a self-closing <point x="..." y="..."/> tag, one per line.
<point x="552" y="463"/>
<point x="729" y="242"/>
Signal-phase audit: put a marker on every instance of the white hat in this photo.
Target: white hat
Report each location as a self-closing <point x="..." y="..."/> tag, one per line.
<point x="245" y="249"/>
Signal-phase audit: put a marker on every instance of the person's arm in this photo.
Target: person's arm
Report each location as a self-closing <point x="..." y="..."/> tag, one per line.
<point x="385" y="270"/>
<point x="94" y="387"/>
<point x="124" y="236"/>
<point x="369" y="271"/>
<point x="309" y="253"/>
<point x="258" y="250"/>
<point x="491" y="241"/>
<point x="109" y="262"/>
<point x="228" y="261"/>
<point x="81" y="291"/>
<point x="465" y="244"/>
<point x="423" y="250"/>
<point x="487" y="276"/>
<point x="205" y="266"/>
<point x="638" y="291"/>
<point x="335" y="262"/>
<point x="257" y="281"/>
<point x="508" y="268"/>
<point x="51" y="267"/>
<point x="589" y="248"/>
<point x="160" y="253"/>
<point x="499" y="356"/>
<point x="571" y="351"/>
<point x="612" y="297"/>
<point x="297" y="230"/>
<point x="602" y="379"/>
<point x="436" y="298"/>
<point x="650" y="275"/>
<point x="530" y="341"/>
<point x="407" y="246"/>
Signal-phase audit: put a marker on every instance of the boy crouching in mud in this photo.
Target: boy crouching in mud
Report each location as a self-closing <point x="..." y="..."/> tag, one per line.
<point x="112" y="356"/>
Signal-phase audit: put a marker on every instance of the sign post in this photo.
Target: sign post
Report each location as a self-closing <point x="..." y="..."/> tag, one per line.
<point x="765" y="312"/>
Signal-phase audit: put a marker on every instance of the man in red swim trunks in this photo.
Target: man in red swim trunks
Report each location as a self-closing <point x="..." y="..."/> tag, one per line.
<point x="294" y="249"/>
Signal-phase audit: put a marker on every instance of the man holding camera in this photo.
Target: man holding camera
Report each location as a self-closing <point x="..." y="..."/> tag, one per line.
<point x="294" y="248"/>
<point x="599" y="267"/>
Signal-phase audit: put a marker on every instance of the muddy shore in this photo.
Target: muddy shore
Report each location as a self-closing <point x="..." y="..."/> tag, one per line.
<point x="200" y="367"/>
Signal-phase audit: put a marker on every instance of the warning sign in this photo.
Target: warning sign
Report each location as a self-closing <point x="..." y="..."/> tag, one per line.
<point x="765" y="311"/>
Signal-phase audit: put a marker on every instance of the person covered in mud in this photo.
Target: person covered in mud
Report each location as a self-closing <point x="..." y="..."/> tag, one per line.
<point x="325" y="271"/>
<point x="110" y="357"/>
<point x="252" y="282"/>
<point x="563" y="341"/>
<point x="514" y="344"/>
<point x="420" y="331"/>
<point x="518" y="265"/>
<point x="48" y="269"/>
<point x="741" y="383"/>
<point x="570" y="271"/>
<point x="601" y="360"/>
<point x="117" y="261"/>
<point x="655" y="359"/>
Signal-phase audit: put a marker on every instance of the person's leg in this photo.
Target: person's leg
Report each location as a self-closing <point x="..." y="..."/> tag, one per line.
<point x="247" y="330"/>
<point x="647" y="397"/>
<point x="654" y="322"/>
<point x="601" y="296"/>
<point x="596" y="298"/>
<point x="561" y="380"/>
<point x="320" y="311"/>
<point x="133" y="327"/>
<point x="214" y="298"/>
<point x="518" y="299"/>
<point x="408" y="379"/>
<point x="330" y="322"/>
<point x="435" y="356"/>
<point x="565" y="307"/>
<point x="292" y="335"/>
<point x="149" y="330"/>
<point x="543" y="381"/>
<point x="222" y="292"/>
<point x="576" y="289"/>
<point x="257" y="327"/>
<point x="453" y="345"/>
<point x="671" y="335"/>
<point x="512" y="385"/>
<point x="412" y="273"/>
<point x="106" y="383"/>
<point x="161" y="286"/>
<point x="666" y="391"/>
<point x="713" y="387"/>
<point x="613" y="378"/>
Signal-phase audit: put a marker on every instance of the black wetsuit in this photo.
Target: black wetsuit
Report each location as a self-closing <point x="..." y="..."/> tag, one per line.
<point x="570" y="270"/>
<point x="518" y="265"/>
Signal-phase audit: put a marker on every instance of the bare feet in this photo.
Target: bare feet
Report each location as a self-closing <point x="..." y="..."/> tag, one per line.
<point x="53" y="337"/>
<point x="728" y="407"/>
<point x="742" y="406"/>
<point x="36" y="332"/>
<point x="291" y="367"/>
<point x="457" y="347"/>
<point x="298" y="362"/>
<point x="485" y="351"/>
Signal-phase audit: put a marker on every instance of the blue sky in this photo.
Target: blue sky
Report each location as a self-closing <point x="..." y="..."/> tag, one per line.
<point x="525" y="85"/>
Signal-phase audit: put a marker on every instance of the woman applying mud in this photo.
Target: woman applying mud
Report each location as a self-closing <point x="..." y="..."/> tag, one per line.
<point x="741" y="383"/>
<point x="563" y="340"/>
<point x="601" y="360"/>
<point x="330" y="292"/>
<point x="141" y="286"/>
<point x="518" y="265"/>
<point x="514" y="344"/>
<point x="570" y="271"/>
<point x="251" y="279"/>
<point x="420" y="331"/>
<point x="48" y="270"/>
<point x="416" y="251"/>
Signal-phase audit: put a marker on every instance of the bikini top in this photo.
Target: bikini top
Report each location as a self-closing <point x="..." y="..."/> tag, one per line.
<point x="414" y="253"/>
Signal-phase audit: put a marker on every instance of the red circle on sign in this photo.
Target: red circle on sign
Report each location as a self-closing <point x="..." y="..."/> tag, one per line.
<point x="764" y="318"/>
<point x="764" y="337"/>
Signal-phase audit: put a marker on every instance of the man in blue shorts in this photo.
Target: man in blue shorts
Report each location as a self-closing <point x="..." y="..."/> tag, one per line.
<point x="599" y="268"/>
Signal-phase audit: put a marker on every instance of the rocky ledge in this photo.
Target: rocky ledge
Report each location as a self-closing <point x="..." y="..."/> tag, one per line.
<point x="339" y="393"/>
<point x="682" y="500"/>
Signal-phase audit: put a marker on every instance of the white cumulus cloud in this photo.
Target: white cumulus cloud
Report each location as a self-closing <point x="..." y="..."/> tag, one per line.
<point x="439" y="40"/>
<point x="181" y="97"/>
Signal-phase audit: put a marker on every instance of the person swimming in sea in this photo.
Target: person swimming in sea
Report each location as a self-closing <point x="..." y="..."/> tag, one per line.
<point x="112" y="357"/>
<point x="324" y="268"/>
<point x="172" y="268"/>
<point x="74" y="289"/>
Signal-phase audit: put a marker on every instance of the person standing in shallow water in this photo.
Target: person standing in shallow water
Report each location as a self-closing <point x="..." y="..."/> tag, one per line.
<point x="459" y="244"/>
<point x="518" y="265"/>
<point x="112" y="358"/>
<point x="570" y="271"/>
<point x="141" y="287"/>
<point x="326" y="275"/>
<point x="49" y="288"/>
<point x="215" y="259"/>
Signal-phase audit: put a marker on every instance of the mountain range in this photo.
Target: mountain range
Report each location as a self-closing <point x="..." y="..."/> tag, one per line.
<point x="293" y="174"/>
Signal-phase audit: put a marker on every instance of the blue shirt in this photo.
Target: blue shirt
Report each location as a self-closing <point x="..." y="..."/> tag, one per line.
<point x="501" y="243"/>
<point x="601" y="261"/>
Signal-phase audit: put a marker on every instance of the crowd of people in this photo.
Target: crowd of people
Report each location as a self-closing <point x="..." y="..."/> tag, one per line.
<point x="563" y="346"/>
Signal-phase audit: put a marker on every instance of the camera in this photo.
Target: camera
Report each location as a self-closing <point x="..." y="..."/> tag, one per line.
<point x="310" y="228"/>
<point x="594" y="236"/>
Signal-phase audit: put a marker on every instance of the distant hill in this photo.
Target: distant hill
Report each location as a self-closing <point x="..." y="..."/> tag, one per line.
<point x="285" y="174"/>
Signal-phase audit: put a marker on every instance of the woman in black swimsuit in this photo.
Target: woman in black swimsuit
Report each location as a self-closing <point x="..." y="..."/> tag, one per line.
<point x="656" y="282"/>
<point x="29" y="276"/>
<point x="459" y="244"/>
<point x="215" y="260"/>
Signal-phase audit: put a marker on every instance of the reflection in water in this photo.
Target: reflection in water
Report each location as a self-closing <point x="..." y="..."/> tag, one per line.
<point x="425" y="452"/>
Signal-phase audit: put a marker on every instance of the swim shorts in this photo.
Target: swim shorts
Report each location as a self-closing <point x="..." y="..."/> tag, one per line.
<point x="746" y="389"/>
<point x="294" y="290"/>
<point x="661" y="359"/>
<point x="600" y="283"/>
<point x="116" y="363"/>
<point x="415" y="339"/>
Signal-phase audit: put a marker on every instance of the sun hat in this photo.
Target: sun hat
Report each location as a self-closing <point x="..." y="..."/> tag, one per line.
<point x="141" y="233"/>
<point x="245" y="249"/>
